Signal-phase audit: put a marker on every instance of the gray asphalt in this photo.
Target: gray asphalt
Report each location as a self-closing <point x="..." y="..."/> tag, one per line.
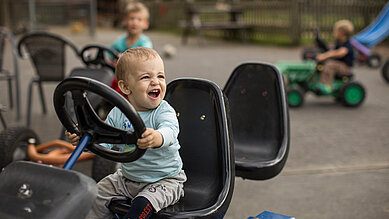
<point x="338" y="165"/>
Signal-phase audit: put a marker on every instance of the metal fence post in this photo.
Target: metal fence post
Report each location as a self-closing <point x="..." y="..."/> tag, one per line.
<point x="92" y="17"/>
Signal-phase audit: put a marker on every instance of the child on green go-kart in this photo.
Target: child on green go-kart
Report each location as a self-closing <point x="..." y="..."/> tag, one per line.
<point x="338" y="61"/>
<point x="330" y="75"/>
<point x="156" y="180"/>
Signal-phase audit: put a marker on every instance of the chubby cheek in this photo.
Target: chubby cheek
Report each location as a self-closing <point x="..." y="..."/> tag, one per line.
<point x="163" y="93"/>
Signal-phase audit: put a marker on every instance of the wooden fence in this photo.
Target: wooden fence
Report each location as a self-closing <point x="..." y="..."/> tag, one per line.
<point x="292" y="20"/>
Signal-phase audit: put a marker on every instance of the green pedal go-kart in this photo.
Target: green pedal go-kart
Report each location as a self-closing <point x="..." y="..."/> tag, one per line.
<point x="302" y="77"/>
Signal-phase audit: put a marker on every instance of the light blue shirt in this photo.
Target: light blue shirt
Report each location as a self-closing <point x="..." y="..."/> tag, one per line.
<point x="156" y="163"/>
<point x="120" y="44"/>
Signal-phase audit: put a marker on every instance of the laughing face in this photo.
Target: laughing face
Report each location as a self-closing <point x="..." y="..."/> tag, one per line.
<point x="145" y="85"/>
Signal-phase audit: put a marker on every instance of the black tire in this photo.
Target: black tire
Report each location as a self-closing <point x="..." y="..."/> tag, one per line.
<point x="374" y="60"/>
<point x="102" y="167"/>
<point x="295" y="97"/>
<point x="385" y="71"/>
<point x="352" y="94"/>
<point x="13" y="144"/>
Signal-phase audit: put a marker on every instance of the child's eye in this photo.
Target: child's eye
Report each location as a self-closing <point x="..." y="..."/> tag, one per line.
<point x="144" y="77"/>
<point x="161" y="76"/>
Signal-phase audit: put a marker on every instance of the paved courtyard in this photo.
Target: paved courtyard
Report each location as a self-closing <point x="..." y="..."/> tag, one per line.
<point x="338" y="165"/>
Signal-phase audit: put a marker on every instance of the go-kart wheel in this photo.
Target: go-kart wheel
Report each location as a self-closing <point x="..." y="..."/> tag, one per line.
<point x="385" y="71"/>
<point x="89" y="123"/>
<point x="102" y="167"/>
<point x="96" y="55"/>
<point x="295" y="97"/>
<point x="352" y="94"/>
<point x="13" y="144"/>
<point x="374" y="61"/>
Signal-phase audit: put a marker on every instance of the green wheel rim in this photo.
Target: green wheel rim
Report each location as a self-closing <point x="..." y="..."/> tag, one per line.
<point x="353" y="94"/>
<point x="294" y="98"/>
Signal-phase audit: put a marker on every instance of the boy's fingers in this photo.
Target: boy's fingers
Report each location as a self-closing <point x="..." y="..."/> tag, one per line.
<point x="146" y="133"/>
<point x="145" y="139"/>
<point x="74" y="136"/>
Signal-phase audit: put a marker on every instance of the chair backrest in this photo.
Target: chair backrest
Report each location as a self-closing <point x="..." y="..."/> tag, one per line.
<point x="260" y="120"/>
<point x="206" y="148"/>
<point x="47" y="52"/>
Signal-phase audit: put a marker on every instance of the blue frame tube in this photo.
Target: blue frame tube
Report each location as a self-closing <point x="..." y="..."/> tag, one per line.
<point x="77" y="152"/>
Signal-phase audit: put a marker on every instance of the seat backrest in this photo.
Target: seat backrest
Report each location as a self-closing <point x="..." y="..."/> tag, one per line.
<point x="33" y="190"/>
<point x="260" y="120"/>
<point x="206" y="148"/>
<point x="47" y="52"/>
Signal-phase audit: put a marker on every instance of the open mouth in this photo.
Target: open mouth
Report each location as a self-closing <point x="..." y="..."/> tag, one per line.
<point x="154" y="94"/>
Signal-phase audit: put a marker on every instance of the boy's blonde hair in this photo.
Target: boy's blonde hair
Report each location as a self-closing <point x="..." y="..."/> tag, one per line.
<point x="345" y="26"/>
<point x="131" y="57"/>
<point x="134" y="6"/>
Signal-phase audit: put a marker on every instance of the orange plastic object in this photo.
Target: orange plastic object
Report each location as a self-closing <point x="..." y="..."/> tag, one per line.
<point x="54" y="152"/>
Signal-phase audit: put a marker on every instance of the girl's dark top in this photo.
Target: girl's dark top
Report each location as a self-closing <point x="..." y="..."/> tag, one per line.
<point x="349" y="57"/>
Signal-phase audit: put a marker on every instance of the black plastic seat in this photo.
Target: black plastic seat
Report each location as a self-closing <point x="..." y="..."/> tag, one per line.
<point x="206" y="150"/>
<point x="260" y="120"/>
<point x="5" y="74"/>
<point x="48" y="55"/>
<point x="62" y="194"/>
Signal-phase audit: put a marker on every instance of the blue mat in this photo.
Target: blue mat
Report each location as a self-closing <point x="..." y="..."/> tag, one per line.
<point x="377" y="31"/>
<point x="270" y="215"/>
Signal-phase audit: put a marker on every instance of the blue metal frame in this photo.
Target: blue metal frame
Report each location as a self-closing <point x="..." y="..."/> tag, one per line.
<point x="77" y="152"/>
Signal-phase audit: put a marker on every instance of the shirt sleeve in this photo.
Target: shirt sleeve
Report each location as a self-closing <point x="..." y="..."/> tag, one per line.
<point x="145" y="41"/>
<point x="148" y="44"/>
<point x="167" y="125"/>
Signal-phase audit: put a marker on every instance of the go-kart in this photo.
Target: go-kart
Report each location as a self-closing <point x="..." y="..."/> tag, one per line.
<point x="97" y="58"/>
<point x="303" y="76"/>
<point x="206" y="139"/>
<point x="363" y="55"/>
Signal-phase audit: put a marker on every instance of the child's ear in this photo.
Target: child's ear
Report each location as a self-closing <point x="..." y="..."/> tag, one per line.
<point x="124" y="88"/>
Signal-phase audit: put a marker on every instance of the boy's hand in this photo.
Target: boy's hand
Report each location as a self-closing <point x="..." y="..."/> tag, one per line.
<point x="320" y="57"/>
<point x="150" y="139"/>
<point x="73" y="138"/>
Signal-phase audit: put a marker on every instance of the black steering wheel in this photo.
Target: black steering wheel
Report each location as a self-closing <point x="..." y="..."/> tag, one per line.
<point x="90" y="123"/>
<point x="96" y="55"/>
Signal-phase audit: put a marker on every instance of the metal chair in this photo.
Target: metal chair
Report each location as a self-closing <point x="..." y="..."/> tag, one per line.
<point x="47" y="53"/>
<point x="5" y="37"/>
